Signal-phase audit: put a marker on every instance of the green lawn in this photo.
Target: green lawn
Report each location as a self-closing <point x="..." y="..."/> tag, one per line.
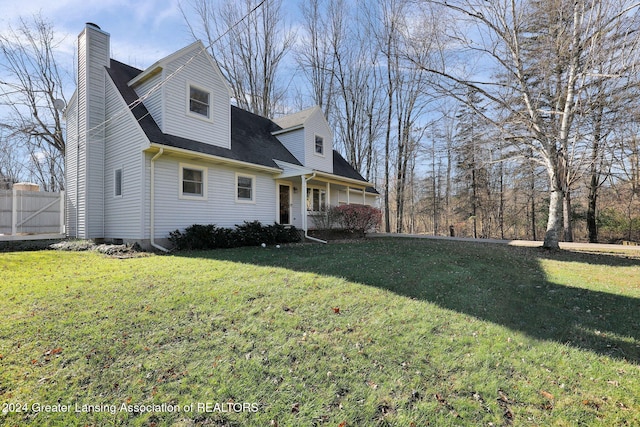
<point x="382" y="332"/>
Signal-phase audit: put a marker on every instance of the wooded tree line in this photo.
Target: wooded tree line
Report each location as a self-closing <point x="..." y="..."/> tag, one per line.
<point x="507" y="119"/>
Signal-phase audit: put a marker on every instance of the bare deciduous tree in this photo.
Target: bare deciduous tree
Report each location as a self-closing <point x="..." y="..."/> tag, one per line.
<point x="249" y="41"/>
<point x="32" y="95"/>
<point x="545" y="53"/>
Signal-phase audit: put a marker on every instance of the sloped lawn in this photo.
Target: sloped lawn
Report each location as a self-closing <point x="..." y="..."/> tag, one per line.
<point x="383" y="332"/>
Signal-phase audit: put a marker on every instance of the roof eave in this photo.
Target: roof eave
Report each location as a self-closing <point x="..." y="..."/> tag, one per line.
<point x="155" y="147"/>
<point x="290" y="129"/>
<point x="335" y="177"/>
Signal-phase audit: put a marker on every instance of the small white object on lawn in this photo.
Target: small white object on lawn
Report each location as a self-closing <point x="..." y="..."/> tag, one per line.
<point x="277" y="246"/>
<point x="264" y="245"/>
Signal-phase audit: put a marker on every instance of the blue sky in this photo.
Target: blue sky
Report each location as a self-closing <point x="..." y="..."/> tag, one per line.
<point x="142" y="31"/>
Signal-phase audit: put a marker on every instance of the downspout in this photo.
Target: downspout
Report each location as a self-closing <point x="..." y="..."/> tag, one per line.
<point x="304" y="209"/>
<point x="152" y="207"/>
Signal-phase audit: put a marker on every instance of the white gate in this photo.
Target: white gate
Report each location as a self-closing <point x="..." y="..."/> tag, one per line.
<point x="26" y="215"/>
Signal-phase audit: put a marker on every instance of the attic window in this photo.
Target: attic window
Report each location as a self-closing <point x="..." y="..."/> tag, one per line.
<point x="319" y="145"/>
<point x="199" y="101"/>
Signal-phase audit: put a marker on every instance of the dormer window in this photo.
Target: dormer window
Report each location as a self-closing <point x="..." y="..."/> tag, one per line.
<point x="319" y="145"/>
<point x="199" y="101"/>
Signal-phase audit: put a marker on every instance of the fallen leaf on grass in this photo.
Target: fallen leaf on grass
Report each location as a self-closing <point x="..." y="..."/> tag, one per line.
<point x="53" y="351"/>
<point x="503" y="397"/>
<point x="336" y="310"/>
<point x="295" y="408"/>
<point x="546" y="395"/>
<point x="592" y="404"/>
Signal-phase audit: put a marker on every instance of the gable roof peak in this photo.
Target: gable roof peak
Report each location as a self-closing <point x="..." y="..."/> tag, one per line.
<point x="197" y="47"/>
<point x="297" y="119"/>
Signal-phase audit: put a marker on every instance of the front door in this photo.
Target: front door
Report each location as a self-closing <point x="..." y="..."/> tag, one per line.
<point x="285" y="203"/>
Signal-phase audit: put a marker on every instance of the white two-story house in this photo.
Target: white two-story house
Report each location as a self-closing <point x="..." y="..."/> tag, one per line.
<point x="151" y="151"/>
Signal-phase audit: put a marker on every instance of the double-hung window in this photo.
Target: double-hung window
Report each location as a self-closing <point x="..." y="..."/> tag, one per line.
<point x="199" y="101"/>
<point x="244" y="188"/>
<point x="193" y="182"/>
<point x="319" y="145"/>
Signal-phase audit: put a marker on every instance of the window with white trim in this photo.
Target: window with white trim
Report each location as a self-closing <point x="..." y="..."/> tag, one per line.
<point x="316" y="199"/>
<point x="117" y="182"/>
<point x="199" y="101"/>
<point x="193" y="182"/>
<point x="319" y="145"/>
<point x="244" y="188"/>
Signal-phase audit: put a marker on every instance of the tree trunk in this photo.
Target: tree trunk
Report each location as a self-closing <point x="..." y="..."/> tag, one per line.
<point x="474" y="202"/>
<point x="554" y="224"/>
<point x="567" y="220"/>
<point x="592" y="225"/>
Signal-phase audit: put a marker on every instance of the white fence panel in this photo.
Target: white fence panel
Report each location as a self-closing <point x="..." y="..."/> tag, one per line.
<point x="26" y="213"/>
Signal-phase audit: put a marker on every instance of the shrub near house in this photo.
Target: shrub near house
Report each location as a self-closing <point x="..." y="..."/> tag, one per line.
<point x="345" y="221"/>
<point x="203" y="237"/>
<point x="358" y="219"/>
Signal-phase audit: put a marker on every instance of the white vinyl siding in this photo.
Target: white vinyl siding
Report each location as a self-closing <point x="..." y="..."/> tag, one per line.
<point x="71" y="167"/>
<point x="123" y="150"/>
<point x="316" y="126"/>
<point x="294" y="142"/>
<point x="177" y="119"/>
<point x="220" y="208"/>
<point x="302" y="142"/>
<point x="153" y="100"/>
<point x="93" y="57"/>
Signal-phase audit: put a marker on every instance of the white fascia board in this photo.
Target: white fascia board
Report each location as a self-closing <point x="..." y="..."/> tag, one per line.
<point x="291" y="129"/>
<point x="342" y="179"/>
<point x="289" y="170"/>
<point x="154" y="147"/>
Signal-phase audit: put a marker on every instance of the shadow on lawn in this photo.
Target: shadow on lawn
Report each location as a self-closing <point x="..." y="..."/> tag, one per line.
<point x="506" y="286"/>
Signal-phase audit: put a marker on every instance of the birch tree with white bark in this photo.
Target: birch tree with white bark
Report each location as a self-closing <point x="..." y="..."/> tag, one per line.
<point x="541" y="57"/>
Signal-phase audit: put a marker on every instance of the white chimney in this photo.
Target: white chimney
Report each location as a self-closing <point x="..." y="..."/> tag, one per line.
<point x="93" y="58"/>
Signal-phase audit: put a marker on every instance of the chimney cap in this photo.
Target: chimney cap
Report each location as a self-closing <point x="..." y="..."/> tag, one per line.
<point x="91" y="24"/>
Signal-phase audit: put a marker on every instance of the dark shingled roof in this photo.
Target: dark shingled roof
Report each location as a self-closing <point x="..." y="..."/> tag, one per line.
<point x="251" y="138"/>
<point x="251" y="135"/>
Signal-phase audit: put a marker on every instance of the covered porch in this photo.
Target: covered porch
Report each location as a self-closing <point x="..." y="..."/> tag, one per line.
<point x="305" y="195"/>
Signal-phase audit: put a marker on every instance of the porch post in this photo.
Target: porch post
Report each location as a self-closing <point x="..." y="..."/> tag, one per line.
<point x="348" y="191"/>
<point x="364" y="196"/>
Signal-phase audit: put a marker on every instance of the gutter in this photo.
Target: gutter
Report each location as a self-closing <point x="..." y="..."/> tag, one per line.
<point x="212" y="157"/>
<point x="304" y="209"/>
<point x="152" y="207"/>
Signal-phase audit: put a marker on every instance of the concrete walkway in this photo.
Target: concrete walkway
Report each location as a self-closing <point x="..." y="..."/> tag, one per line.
<point x="528" y="243"/>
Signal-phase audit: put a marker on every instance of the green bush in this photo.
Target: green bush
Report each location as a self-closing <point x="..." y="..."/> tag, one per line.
<point x="202" y="237"/>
